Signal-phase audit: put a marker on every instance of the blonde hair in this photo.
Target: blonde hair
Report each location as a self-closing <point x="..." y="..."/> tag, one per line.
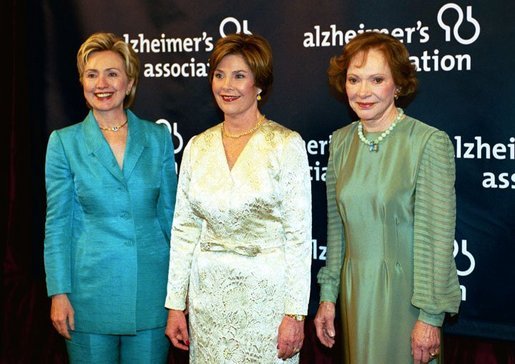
<point x="111" y="42"/>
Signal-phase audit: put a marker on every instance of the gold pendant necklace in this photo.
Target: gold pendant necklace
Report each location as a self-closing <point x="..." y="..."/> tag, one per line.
<point x="250" y="131"/>
<point x="114" y="128"/>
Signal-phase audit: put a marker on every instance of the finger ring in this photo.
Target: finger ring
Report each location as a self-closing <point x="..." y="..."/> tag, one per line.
<point x="432" y="355"/>
<point x="296" y="350"/>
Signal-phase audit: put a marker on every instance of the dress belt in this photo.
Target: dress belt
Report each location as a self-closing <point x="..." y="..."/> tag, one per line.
<point x="247" y="250"/>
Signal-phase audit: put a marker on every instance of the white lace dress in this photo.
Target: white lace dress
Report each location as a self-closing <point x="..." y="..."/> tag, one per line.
<point x="241" y="244"/>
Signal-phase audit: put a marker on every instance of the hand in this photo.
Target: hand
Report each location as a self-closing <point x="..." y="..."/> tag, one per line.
<point x="425" y="342"/>
<point x="62" y="315"/>
<point x="290" y="337"/>
<point x="177" y="329"/>
<point x="324" y="323"/>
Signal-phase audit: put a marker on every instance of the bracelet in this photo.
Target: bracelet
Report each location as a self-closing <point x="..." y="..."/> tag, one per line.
<point x="296" y="317"/>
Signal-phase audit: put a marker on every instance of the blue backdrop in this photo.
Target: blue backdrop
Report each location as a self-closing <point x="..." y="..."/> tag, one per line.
<point x="464" y="53"/>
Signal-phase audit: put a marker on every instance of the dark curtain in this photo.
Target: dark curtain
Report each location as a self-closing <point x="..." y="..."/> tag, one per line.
<point x="27" y="335"/>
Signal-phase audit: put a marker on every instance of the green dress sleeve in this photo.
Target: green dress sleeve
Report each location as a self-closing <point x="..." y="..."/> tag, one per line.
<point x="329" y="276"/>
<point x="436" y="287"/>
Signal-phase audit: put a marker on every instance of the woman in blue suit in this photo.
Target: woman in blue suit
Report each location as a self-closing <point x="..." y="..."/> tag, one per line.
<point x="111" y="185"/>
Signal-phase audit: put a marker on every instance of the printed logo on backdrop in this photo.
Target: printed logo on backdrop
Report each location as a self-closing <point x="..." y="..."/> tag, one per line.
<point x="178" y="140"/>
<point x="477" y="148"/>
<point x="455" y="31"/>
<point x="173" y="129"/>
<point x="319" y="250"/>
<point x="168" y="45"/>
<point x="172" y="46"/>
<point x="419" y="32"/>
<point x="232" y="25"/>
<point x="462" y="248"/>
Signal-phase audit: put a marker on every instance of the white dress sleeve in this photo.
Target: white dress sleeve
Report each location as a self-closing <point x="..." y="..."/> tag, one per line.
<point x="186" y="230"/>
<point x="297" y="223"/>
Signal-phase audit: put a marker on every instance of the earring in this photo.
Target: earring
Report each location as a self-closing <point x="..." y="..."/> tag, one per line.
<point x="128" y="92"/>
<point x="259" y="97"/>
<point x="396" y="95"/>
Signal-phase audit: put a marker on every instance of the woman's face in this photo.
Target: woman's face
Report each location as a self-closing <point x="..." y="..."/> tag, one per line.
<point x="370" y="86"/>
<point x="105" y="81"/>
<point x="233" y="86"/>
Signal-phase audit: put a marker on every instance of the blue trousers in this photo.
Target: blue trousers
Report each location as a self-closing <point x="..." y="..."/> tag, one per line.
<point x="146" y="347"/>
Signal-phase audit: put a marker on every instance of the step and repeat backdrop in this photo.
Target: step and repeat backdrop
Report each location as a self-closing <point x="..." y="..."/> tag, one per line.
<point x="463" y="51"/>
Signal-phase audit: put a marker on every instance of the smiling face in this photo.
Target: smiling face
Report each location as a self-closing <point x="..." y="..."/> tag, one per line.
<point x="234" y="87"/>
<point x="371" y="89"/>
<point x="105" y="82"/>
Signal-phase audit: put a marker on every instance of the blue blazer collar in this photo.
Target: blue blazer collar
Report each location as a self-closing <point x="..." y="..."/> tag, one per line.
<point x="97" y="145"/>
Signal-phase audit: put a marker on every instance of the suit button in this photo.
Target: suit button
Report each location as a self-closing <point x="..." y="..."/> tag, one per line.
<point x="124" y="215"/>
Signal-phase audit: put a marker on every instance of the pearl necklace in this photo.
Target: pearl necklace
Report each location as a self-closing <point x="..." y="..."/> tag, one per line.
<point x="250" y="131"/>
<point x="114" y="128"/>
<point x="373" y="145"/>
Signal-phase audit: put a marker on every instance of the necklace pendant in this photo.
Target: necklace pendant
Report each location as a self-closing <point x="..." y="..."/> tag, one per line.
<point x="113" y="128"/>
<point x="373" y="146"/>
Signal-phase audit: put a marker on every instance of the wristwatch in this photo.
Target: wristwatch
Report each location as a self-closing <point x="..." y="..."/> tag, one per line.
<point x="296" y="317"/>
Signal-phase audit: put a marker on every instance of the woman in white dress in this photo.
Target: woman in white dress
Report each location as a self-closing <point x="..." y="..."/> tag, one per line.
<point x="240" y="263"/>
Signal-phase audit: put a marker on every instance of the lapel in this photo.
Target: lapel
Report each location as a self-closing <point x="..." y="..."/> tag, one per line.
<point x="97" y="146"/>
<point x="136" y="143"/>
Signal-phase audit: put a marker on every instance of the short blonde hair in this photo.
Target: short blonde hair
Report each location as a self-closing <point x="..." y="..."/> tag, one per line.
<point x="111" y="42"/>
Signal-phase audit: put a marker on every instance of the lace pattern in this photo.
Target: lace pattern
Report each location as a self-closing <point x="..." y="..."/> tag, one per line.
<point x="245" y="236"/>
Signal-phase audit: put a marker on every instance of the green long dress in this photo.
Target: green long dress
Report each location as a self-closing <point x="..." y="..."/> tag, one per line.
<point x="391" y="220"/>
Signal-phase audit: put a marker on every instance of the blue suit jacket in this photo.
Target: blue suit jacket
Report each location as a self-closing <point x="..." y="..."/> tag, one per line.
<point x="108" y="229"/>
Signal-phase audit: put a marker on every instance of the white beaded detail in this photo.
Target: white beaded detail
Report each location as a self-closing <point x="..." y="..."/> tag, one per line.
<point x="373" y="145"/>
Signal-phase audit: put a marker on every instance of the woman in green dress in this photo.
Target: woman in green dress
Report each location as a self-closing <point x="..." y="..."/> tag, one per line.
<point x="391" y="215"/>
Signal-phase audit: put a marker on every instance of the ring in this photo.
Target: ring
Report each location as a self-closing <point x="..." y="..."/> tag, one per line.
<point x="296" y="350"/>
<point x="432" y="355"/>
